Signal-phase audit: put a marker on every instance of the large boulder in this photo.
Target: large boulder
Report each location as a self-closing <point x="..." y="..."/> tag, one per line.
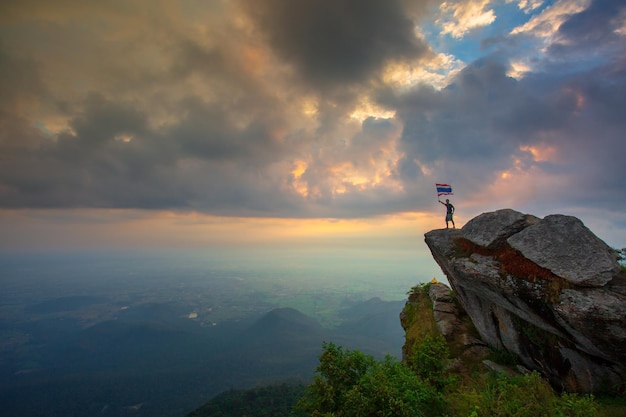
<point x="547" y="290"/>
<point x="491" y="229"/>
<point x="566" y="247"/>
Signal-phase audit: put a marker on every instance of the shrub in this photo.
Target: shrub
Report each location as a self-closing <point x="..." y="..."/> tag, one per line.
<point x="520" y="396"/>
<point x="621" y="258"/>
<point x="503" y="357"/>
<point x="352" y="384"/>
<point x="429" y="359"/>
<point x="573" y="405"/>
<point x="419" y="289"/>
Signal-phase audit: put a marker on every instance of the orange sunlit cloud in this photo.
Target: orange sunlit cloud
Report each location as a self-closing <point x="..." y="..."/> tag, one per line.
<point x="367" y="109"/>
<point x="520" y="183"/>
<point x="541" y="153"/>
<point x="299" y="185"/>
<point x="254" y="60"/>
<point x="466" y="16"/>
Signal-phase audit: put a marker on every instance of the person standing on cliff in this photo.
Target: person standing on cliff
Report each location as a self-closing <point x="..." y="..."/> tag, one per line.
<point x="449" y="212"/>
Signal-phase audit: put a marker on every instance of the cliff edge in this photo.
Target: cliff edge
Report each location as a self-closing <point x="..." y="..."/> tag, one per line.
<point x="546" y="290"/>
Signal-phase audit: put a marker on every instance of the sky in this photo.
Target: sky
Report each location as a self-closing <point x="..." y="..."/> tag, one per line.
<point x="310" y="123"/>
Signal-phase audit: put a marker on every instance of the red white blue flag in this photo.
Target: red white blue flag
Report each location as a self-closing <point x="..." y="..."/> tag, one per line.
<point x="444" y="189"/>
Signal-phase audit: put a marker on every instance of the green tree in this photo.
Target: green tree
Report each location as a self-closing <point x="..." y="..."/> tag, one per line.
<point x="429" y="358"/>
<point x="353" y="384"/>
<point x="621" y="258"/>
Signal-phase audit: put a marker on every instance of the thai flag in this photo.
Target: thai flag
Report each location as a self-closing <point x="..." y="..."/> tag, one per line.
<point x="444" y="189"/>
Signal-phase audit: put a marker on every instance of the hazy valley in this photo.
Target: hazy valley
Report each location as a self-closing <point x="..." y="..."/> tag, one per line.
<point x="158" y="336"/>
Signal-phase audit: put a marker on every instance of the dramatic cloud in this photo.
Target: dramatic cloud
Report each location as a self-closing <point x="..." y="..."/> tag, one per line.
<point x="560" y="125"/>
<point x="337" y="42"/>
<point x="334" y="109"/>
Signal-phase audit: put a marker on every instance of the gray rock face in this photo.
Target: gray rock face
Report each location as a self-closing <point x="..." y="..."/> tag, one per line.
<point x="566" y="247"/>
<point x="569" y="322"/>
<point x="444" y="311"/>
<point x="491" y="229"/>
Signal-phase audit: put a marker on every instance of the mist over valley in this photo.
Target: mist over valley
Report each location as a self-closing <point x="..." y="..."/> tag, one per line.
<point x="159" y="333"/>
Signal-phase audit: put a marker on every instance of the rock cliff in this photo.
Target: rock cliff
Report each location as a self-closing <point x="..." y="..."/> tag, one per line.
<point x="546" y="290"/>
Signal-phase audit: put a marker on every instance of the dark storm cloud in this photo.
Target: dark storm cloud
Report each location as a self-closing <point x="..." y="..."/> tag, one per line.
<point x="112" y="158"/>
<point x="20" y="80"/>
<point x="457" y="123"/>
<point x="220" y="66"/>
<point x="101" y="121"/>
<point x="89" y="166"/>
<point x="595" y="71"/>
<point x="593" y="27"/>
<point x="215" y="153"/>
<point x="18" y="76"/>
<point x="337" y="42"/>
<point x="208" y="132"/>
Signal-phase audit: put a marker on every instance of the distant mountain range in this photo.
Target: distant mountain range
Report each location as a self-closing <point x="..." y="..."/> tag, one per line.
<point x="168" y="367"/>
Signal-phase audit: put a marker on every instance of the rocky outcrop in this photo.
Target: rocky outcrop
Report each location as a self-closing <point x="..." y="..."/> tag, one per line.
<point x="432" y="308"/>
<point x="547" y="290"/>
<point x="445" y="310"/>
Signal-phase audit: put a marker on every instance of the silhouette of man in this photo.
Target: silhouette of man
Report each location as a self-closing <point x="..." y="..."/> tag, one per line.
<point x="449" y="212"/>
